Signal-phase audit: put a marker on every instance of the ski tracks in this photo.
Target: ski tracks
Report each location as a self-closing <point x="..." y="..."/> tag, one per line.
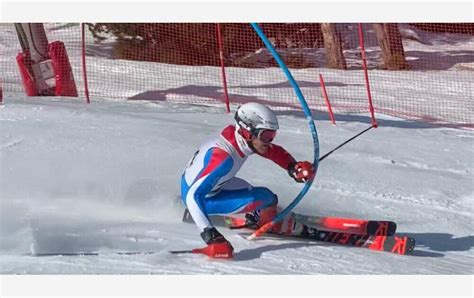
<point x="10" y="144"/>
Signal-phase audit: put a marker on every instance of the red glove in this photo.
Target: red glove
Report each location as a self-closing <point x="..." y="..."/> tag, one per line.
<point x="301" y="171"/>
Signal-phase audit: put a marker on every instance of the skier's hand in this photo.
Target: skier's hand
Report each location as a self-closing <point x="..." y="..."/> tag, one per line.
<point x="301" y="171"/>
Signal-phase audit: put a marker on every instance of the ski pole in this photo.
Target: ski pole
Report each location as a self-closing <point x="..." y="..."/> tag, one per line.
<point x="360" y="133"/>
<point x="262" y="230"/>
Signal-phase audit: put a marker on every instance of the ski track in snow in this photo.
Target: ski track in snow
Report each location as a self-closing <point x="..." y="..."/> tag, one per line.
<point x="11" y="144"/>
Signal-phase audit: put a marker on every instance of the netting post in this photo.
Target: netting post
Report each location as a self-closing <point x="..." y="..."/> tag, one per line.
<point x="366" y="75"/>
<point x="84" y="68"/>
<point x="221" y="58"/>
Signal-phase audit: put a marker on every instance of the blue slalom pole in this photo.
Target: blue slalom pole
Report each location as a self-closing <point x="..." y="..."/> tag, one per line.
<point x="280" y="216"/>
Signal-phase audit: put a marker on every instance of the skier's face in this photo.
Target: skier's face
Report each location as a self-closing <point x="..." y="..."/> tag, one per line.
<point x="260" y="146"/>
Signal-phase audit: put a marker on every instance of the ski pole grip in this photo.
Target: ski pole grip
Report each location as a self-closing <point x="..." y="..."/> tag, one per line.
<point x="263" y="229"/>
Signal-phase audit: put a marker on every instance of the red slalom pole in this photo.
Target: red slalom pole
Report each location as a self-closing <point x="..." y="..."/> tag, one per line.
<point x="221" y="57"/>
<point x="325" y="95"/>
<point x="366" y="74"/>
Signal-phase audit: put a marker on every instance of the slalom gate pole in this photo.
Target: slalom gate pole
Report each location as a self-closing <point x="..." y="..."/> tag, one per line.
<point x="280" y="216"/>
<point x="221" y="59"/>
<point x="325" y="95"/>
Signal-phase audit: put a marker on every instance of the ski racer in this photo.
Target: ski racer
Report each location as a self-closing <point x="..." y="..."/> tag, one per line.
<point x="209" y="186"/>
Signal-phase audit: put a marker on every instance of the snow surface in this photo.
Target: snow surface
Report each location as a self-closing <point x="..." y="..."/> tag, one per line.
<point x="104" y="177"/>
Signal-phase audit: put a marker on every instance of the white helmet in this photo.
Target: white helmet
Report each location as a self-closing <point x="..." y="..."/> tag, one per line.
<point x="253" y="116"/>
<point x="256" y="120"/>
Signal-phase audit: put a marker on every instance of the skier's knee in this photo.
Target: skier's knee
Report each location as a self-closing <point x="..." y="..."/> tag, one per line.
<point x="267" y="196"/>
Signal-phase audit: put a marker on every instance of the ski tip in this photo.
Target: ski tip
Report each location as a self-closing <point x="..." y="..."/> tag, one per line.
<point x="403" y="245"/>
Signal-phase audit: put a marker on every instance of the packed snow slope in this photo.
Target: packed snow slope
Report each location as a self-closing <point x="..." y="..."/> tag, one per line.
<point x="104" y="178"/>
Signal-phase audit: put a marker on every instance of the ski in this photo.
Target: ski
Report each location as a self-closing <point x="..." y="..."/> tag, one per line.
<point x="87" y="254"/>
<point x="210" y="251"/>
<point x="392" y="243"/>
<point x="177" y="252"/>
<point x="326" y="223"/>
<point x="397" y="244"/>
<point x="348" y="225"/>
<point x="371" y="234"/>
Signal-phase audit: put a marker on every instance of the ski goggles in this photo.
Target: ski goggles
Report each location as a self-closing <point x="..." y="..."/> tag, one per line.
<point x="266" y="135"/>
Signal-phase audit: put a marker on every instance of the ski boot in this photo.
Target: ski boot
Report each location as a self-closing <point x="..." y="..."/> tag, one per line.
<point x="217" y="246"/>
